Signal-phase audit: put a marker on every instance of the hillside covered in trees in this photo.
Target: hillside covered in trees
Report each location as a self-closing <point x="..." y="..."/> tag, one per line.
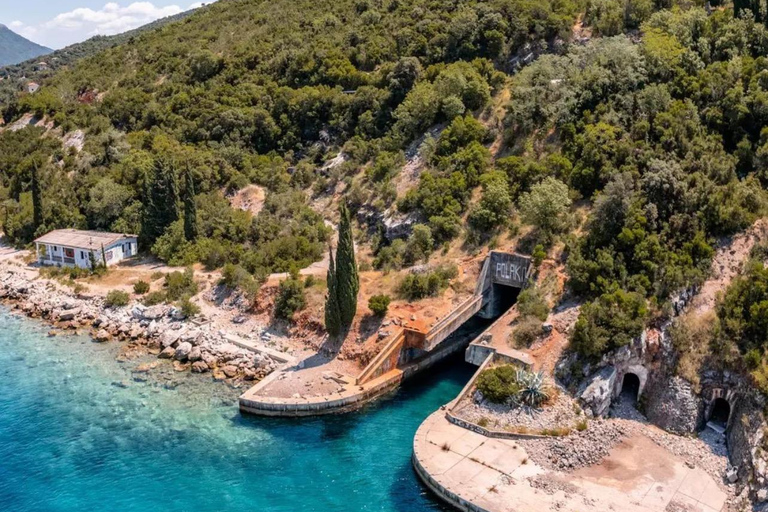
<point x="628" y="154"/>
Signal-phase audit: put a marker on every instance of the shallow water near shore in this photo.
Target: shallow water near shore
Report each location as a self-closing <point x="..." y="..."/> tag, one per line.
<point x="81" y="431"/>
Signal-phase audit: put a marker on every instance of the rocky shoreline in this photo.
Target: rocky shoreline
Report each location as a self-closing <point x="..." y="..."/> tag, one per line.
<point x="161" y="330"/>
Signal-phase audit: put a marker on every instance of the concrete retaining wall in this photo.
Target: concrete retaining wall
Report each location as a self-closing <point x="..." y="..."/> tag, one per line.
<point x="441" y="492"/>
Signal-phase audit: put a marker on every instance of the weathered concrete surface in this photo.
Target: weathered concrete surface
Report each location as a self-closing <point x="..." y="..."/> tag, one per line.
<point x="478" y="474"/>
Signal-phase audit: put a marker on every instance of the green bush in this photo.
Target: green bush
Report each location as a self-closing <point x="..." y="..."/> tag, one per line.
<point x="526" y="332"/>
<point x="499" y="385"/>
<point x="430" y="284"/>
<point x="379" y="304"/>
<point x="154" y="298"/>
<point x="180" y="284"/>
<point x="141" y="287"/>
<point x="531" y="302"/>
<point x="609" y="322"/>
<point x="237" y="278"/>
<point x="116" y="299"/>
<point x="188" y="308"/>
<point x="290" y="297"/>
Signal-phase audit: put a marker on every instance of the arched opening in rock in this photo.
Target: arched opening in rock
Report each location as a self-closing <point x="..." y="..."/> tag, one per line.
<point x="630" y="387"/>
<point x="719" y="412"/>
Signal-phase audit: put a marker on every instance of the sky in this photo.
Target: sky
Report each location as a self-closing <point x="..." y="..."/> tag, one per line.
<point x="58" y="23"/>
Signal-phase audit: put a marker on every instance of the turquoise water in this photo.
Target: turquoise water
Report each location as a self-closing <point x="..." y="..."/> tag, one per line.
<point x="80" y="431"/>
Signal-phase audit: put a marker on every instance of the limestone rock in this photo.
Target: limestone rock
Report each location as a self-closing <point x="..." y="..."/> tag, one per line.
<point x="195" y="354"/>
<point x="182" y="351"/>
<point x="597" y="391"/>
<point x="199" y="367"/>
<point x="167" y="353"/>
<point x="230" y="371"/>
<point x="102" y="336"/>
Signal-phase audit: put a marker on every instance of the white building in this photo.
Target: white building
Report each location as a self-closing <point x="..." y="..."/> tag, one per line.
<point x="72" y="247"/>
<point x="32" y="87"/>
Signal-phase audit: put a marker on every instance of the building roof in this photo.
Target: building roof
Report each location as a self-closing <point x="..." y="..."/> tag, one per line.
<point x="89" y="240"/>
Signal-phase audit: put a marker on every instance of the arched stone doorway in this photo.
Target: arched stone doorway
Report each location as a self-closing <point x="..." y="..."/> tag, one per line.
<point x="719" y="412"/>
<point x="630" y="387"/>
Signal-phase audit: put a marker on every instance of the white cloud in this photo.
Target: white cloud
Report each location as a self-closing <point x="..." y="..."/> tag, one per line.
<point x="16" y="24"/>
<point x="81" y="23"/>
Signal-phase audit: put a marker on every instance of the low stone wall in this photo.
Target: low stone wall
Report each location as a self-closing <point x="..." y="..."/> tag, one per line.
<point x="497" y="434"/>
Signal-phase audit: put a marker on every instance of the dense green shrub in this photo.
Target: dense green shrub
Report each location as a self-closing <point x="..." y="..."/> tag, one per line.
<point x="140" y="287"/>
<point x="743" y="310"/>
<point x="154" y="298"/>
<point x="116" y="299"/>
<point x="379" y="304"/>
<point x="237" y="278"/>
<point x="498" y="384"/>
<point x="290" y="297"/>
<point x="609" y="322"/>
<point x="415" y="286"/>
<point x="180" y="284"/>
<point x="532" y="302"/>
<point x="188" y="308"/>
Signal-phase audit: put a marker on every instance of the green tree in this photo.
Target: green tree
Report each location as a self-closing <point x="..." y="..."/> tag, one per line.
<point x="161" y="197"/>
<point x="37" y="197"/>
<point x="190" y="208"/>
<point x="546" y="206"/>
<point x="332" y="314"/>
<point x="347" y="279"/>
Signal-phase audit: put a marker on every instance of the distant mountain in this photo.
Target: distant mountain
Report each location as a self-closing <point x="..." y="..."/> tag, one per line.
<point x="15" y="49"/>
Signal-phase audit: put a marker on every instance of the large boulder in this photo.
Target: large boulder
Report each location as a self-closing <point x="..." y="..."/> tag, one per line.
<point x="195" y="354"/>
<point x="67" y="315"/>
<point x="182" y="351"/>
<point x="167" y="353"/>
<point x="596" y="392"/>
<point x="154" y="312"/>
<point x="169" y="338"/>
<point x="199" y="367"/>
<point x="102" y="336"/>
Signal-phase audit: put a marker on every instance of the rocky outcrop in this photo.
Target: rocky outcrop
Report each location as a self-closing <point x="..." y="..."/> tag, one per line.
<point x="596" y="392"/>
<point x="746" y="440"/>
<point x="672" y="404"/>
<point x="159" y="328"/>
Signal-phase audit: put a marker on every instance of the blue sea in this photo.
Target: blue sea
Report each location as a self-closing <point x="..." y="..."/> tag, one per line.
<point x="82" y="431"/>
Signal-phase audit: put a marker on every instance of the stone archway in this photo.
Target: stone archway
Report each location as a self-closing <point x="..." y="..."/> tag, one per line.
<point x="630" y="387"/>
<point x="719" y="412"/>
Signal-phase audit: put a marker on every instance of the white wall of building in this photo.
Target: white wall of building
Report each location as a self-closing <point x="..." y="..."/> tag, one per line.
<point x="57" y="255"/>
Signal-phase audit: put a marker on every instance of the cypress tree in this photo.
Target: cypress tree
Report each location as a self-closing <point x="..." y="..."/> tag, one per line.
<point x="332" y="315"/>
<point x="37" y="198"/>
<point x="347" y="279"/>
<point x="161" y="198"/>
<point x="190" y="209"/>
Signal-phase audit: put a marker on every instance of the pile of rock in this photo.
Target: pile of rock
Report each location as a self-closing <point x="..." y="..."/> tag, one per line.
<point x="160" y="328"/>
<point x="579" y="449"/>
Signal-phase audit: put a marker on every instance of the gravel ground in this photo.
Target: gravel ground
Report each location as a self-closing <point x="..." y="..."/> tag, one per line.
<point x="563" y="413"/>
<point x="582" y="449"/>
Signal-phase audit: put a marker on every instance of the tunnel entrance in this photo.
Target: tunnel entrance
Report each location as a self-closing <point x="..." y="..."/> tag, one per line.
<point x="720" y="412"/>
<point x="630" y="387"/>
<point x="504" y="297"/>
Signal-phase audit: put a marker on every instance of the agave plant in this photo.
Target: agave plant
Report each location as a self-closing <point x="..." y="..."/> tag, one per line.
<point x="533" y="390"/>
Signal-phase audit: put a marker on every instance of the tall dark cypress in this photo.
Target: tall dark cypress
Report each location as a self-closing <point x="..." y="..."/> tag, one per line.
<point x="161" y="202"/>
<point x="190" y="208"/>
<point x="347" y="279"/>
<point x="332" y="315"/>
<point x="37" y="198"/>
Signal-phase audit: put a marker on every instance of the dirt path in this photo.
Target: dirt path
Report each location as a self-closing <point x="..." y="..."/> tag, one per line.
<point x="727" y="264"/>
